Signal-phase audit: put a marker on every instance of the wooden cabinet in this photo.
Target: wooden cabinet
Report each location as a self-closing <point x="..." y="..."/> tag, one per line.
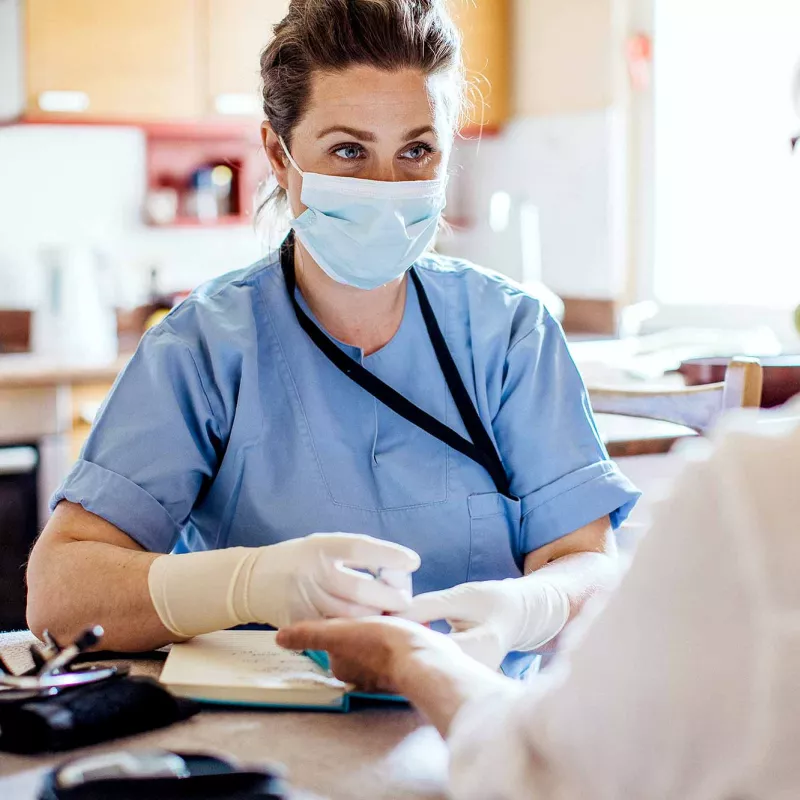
<point x="237" y="31"/>
<point x="126" y="59"/>
<point x="186" y="59"/>
<point x="146" y="59"/>
<point x="486" y="28"/>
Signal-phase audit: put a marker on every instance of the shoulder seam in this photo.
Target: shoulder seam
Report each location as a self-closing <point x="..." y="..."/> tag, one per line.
<point x="188" y="349"/>
<point x="256" y="270"/>
<point x="535" y="329"/>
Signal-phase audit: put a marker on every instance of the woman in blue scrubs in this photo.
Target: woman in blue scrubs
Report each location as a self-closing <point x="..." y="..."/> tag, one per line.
<point x="351" y="382"/>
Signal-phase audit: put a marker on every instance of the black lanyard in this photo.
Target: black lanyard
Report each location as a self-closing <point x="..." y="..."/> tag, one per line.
<point x="481" y="449"/>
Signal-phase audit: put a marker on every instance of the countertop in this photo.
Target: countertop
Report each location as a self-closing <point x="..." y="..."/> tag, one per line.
<point x="24" y="371"/>
<point x="624" y="436"/>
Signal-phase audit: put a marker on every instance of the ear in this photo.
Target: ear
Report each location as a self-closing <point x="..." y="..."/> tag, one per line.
<point x="275" y="155"/>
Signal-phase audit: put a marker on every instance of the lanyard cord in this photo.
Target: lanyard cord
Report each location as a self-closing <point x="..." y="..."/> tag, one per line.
<point x="480" y="450"/>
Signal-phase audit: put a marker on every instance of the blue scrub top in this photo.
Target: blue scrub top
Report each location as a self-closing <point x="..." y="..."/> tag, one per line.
<point x="229" y="427"/>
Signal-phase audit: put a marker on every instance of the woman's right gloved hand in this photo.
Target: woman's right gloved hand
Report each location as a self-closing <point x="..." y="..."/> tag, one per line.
<point x="301" y="579"/>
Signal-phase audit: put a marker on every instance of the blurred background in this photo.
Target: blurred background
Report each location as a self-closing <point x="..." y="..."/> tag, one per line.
<point x="619" y="152"/>
<point x="627" y="160"/>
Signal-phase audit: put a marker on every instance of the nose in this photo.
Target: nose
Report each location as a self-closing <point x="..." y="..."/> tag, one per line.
<point x="384" y="170"/>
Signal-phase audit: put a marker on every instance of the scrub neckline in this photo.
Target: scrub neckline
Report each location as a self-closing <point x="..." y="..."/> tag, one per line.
<point x="411" y="305"/>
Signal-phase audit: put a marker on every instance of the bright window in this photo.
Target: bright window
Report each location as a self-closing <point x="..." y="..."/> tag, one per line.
<point x="727" y="189"/>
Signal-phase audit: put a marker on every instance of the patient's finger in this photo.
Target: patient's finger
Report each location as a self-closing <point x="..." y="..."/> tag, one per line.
<point x="312" y="635"/>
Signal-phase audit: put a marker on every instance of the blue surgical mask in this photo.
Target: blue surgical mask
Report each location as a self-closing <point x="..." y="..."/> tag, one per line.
<point x="366" y="233"/>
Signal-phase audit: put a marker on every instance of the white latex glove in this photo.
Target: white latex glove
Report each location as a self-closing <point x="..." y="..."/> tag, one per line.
<point x="491" y="618"/>
<point x="302" y="579"/>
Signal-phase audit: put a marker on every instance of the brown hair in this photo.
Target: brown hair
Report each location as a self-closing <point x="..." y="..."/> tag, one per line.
<point x="332" y="35"/>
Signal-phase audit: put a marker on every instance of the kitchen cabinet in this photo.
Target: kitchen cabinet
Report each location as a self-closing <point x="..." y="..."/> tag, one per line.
<point x="18" y="529"/>
<point x="127" y="59"/>
<point x="147" y="60"/>
<point x="237" y="31"/>
<point x="565" y="51"/>
<point x="486" y="28"/>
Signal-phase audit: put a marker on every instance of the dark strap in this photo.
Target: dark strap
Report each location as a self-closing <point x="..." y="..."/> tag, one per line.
<point x="481" y="449"/>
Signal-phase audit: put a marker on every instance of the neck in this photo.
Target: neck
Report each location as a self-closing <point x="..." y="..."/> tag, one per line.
<point x="360" y="318"/>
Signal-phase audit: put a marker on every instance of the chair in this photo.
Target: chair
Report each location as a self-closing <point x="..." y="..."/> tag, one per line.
<point x="695" y="408"/>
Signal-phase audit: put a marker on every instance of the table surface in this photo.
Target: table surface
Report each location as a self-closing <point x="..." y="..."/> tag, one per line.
<point x="23" y="371"/>
<point x="624" y="436"/>
<point x="378" y="753"/>
<point x="635" y="436"/>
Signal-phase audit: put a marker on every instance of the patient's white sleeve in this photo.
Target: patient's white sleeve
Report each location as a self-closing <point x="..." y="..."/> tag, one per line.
<point x="685" y="685"/>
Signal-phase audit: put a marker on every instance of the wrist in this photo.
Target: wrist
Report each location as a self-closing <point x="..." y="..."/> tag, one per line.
<point x="193" y="593"/>
<point x="545" y="610"/>
<point x="439" y="682"/>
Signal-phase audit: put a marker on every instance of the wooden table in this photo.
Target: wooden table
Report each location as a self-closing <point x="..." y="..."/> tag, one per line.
<point x="634" y="436"/>
<point x="380" y="754"/>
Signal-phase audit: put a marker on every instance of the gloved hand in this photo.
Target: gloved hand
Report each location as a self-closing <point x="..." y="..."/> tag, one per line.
<point x="491" y="618"/>
<point x="302" y="579"/>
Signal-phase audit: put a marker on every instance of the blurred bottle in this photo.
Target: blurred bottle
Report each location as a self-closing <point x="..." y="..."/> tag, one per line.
<point x="210" y="193"/>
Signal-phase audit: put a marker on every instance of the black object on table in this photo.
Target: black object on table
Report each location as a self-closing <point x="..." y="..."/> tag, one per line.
<point x="202" y="777"/>
<point x="58" y="706"/>
<point x="84" y="715"/>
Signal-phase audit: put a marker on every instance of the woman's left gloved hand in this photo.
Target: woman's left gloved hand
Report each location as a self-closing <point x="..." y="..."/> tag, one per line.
<point x="492" y="618"/>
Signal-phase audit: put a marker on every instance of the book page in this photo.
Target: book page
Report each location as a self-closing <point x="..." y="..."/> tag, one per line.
<point x="243" y="658"/>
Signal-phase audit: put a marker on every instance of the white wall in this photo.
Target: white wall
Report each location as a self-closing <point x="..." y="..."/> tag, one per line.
<point x="75" y="184"/>
<point x="564" y="152"/>
<point x="727" y="185"/>
<point x="563" y="165"/>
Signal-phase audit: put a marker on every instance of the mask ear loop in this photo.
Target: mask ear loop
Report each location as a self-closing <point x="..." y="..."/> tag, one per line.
<point x="289" y="156"/>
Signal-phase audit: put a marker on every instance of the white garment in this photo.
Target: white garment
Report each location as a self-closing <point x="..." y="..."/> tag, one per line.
<point x="687" y="685"/>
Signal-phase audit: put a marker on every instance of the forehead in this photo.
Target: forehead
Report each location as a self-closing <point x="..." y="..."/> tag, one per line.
<point x="370" y="97"/>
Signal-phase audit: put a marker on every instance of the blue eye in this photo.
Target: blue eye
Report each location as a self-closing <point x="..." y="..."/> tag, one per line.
<point x="417" y="152"/>
<point x="349" y="152"/>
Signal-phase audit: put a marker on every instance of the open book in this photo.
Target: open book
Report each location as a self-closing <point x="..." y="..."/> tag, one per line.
<point x="249" y="668"/>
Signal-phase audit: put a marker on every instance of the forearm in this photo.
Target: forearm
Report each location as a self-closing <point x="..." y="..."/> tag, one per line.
<point x="579" y="576"/>
<point x="73" y="585"/>
<point x="439" y="685"/>
<point x="477" y="711"/>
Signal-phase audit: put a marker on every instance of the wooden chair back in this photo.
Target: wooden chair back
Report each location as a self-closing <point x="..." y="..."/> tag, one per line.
<point x="696" y="407"/>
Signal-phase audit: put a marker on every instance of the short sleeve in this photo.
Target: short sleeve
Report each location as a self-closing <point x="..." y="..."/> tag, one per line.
<point x="549" y="442"/>
<point x="153" y="446"/>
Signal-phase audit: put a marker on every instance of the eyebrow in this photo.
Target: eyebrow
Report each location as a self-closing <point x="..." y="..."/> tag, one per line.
<point x="367" y="136"/>
<point x="413" y="134"/>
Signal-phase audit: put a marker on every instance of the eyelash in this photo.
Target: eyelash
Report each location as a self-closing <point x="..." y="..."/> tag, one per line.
<point x="426" y="148"/>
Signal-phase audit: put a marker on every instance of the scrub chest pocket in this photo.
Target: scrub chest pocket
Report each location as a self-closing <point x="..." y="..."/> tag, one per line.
<point x="494" y="537"/>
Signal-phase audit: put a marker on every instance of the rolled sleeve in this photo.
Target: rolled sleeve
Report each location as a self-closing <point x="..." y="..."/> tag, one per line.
<point x="575" y="500"/>
<point x="121" y="502"/>
<point x="551" y="448"/>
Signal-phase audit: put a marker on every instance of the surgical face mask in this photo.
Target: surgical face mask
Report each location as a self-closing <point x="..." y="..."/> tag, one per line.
<point x="366" y="233"/>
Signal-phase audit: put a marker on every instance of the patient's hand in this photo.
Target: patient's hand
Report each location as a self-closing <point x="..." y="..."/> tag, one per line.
<point x="371" y="653"/>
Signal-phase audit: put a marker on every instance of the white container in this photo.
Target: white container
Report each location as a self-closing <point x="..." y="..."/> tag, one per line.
<point x="76" y="320"/>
